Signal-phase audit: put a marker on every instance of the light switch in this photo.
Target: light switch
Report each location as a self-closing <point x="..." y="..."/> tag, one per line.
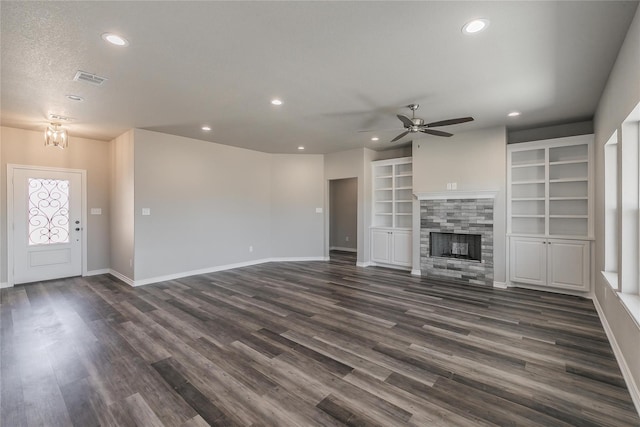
<point x="318" y="210"/>
<point x="454" y="185"/>
<point x="96" y="211"/>
<point x="146" y="211"/>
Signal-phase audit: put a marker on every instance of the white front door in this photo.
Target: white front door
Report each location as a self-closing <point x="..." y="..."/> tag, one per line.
<point x="47" y="224"/>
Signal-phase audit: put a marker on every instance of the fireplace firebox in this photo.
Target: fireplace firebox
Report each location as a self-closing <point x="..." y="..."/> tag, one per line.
<point x="455" y="245"/>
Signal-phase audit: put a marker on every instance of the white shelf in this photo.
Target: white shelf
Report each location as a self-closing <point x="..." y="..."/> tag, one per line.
<point x="549" y="187"/>
<point x="585" y="179"/>
<point x="568" y="162"/>
<point x="538" y="181"/>
<point x="392" y="190"/>
<point x="527" y="165"/>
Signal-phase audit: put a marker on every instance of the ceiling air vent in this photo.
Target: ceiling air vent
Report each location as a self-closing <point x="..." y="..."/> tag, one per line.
<point x="83" y="76"/>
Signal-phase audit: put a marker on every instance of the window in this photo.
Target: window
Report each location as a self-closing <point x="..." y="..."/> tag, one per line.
<point x="48" y="211"/>
<point x="611" y="211"/>
<point x="622" y="212"/>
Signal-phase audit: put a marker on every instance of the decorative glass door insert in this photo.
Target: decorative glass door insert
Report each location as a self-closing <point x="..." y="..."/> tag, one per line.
<point x="48" y="211"/>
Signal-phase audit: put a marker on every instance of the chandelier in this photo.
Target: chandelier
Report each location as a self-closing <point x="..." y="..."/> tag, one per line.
<point x="55" y="136"/>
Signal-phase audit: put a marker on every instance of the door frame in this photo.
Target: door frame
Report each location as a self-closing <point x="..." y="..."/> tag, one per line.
<point x="83" y="214"/>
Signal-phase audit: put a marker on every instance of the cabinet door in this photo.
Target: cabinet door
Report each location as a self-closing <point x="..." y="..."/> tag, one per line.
<point x="568" y="262"/>
<point x="528" y="261"/>
<point x="401" y="248"/>
<point x="380" y="246"/>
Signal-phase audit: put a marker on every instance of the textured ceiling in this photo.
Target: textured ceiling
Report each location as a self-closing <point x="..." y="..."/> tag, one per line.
<point x="339" y="67"/>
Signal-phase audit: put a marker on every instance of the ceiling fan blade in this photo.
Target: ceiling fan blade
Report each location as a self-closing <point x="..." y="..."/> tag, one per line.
<point x="406" y="121"/>
<point x="402" y="135"/>
<point x="450" y="122"/>
<point x="436" y="132"/>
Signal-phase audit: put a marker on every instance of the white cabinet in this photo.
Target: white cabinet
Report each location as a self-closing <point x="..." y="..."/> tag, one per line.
<point x="550" y="212"/>
<point x="392" y="214"/>
<point x="391" y="247"/>
<point x="558" y="263"/>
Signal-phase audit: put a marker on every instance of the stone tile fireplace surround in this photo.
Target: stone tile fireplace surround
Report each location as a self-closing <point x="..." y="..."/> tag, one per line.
<point x="462" y="213"/>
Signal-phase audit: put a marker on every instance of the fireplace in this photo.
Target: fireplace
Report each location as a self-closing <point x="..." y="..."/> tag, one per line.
<point x="456" y="236"/>
<point x="455" y="245"/>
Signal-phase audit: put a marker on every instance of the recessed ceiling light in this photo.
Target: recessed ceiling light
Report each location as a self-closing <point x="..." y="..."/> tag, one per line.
<point x="276" y="102"/>
<point x="475" y="26"/>
<point x="205" y="128"/>
<point x="115" y="39"/>
<point x="301" y="148"/>
<point x="514" y="114"/>
<point x="75" y="98"/>
<point x="375" y="138"/>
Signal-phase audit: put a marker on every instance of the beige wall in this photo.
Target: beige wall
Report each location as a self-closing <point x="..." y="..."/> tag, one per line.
<point x="122" y="199"/>
<point x="24" y="147"/>
<point x="343" y="214"/>
<point x="209" y="203"/>
<point x="297" y="189"/>
<point x="620" y="96"/>
<point x="475" y="161"/>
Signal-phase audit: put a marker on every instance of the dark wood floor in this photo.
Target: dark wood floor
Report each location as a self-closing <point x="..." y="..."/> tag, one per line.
<point x="297" y="344"/>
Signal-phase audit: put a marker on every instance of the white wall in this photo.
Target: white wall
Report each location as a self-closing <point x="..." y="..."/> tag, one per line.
<point x="297" y="189"/>
<point x="621" y="95"/>
<point x="475" y="161"/>
<point x="122" y="202"/>
<point x="209" y="203"/>
<point x="25" y="147"/>
<point x="343" y="194"/>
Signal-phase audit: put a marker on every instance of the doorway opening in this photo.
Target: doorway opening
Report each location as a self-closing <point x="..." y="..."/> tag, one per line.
<point x="343" y="220"/>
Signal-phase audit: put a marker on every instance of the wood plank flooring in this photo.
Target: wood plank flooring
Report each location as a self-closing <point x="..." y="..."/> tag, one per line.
<point x="303" y="344"/>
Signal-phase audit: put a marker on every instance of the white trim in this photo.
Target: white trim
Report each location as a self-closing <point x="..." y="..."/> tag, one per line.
<point x="98" y="272"/>
<point x="445" y="195"/>
<point x="83" y="178"/>
<point x="416" y="272"/>
<point x="340" y="248"/>
<point x="122" y="277"/>
<point x="180" y="275"/>
<point x="633" y="388"/>
<point x="500" y="285"/>
<point x="363" y="264"/>
<point x="5" y="285"/>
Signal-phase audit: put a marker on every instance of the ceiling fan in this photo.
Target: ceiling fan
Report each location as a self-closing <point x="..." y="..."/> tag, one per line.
<point x="414" y="124"/>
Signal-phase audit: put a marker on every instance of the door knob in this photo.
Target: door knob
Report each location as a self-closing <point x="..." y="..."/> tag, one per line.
<point x="77" y="228"/>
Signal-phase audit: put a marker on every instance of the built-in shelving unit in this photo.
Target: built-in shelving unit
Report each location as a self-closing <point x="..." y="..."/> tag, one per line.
<point x="392" y="193"/>
<point x="392" y="215"/>
<point x="549" y="196"/>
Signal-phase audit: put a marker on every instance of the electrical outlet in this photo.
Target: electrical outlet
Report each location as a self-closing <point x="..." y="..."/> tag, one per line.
<point x="346" y="239"/>
<point x="250" y="248"/>
<point x="448" y="186"/>
<point x="454" y="185"/>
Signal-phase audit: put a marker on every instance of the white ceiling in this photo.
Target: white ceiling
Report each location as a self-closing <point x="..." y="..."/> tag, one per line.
<point x="339" y="67"/>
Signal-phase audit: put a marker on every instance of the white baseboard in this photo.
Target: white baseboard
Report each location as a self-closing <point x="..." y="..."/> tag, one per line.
<point x="98" y="272"/>
<point x="634" y="389"/>
<point x="182" y="274"/>
<point x="5" y="285"/>
<point x="363" y="264"/>
<point x="416" y="272"/>
<point x="122" y="277"/>
<point x="500" y="285"/>
<point x="340" y="248"/>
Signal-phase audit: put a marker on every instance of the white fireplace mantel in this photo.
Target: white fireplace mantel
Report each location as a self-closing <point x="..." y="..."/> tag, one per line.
<point x="445" y="195"/>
